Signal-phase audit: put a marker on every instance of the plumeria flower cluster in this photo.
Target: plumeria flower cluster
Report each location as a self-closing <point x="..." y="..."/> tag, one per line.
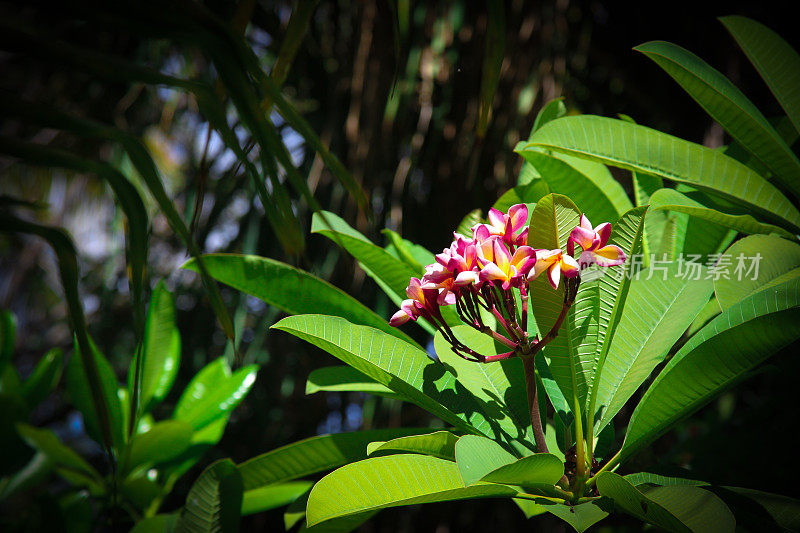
<point x="485" y="271"/>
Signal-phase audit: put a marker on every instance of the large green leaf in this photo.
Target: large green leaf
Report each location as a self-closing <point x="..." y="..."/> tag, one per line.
<point x="440" y="444"/>
<point x="391" y="481"/>
<point x="657" y="312"/>
<point x="611" y="293"/>
<point x="598" y="195"/>
<point x="477" y="456"/>
<point x="44" y="379"/>
<point x="540" y="469"/>
<point x="776" y="61"/>
<point x="313" y="455"/>
<point x="161" y="349"/>
<point x="345" y="379"/>
<point x="638" y="148"/>
<point x="733" y="343"/>
<point x="80" y="392"/>
<point x="552" y="220"/>
<point x="761" y="511"/>
<point x="670" y="199"/>
<point x="522" y="194"/>
<point x="413" y="255"/>
<point x="676" y="508"/>
<point x="729" y="107"/>
<point x="214" y="502"/>
<point x="402" y="367"/>
<point x="213" y="393"/>
<point x="581" y="517"/>
<point x="273" y="496"/>
<point x="162" y="442"/>
<point x="290" y="289"/>
<point x="647" y="478"/>
<point x="753" y="263"/>
<point x="497" y="388"/>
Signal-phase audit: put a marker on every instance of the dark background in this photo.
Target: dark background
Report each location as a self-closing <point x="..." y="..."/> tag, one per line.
<point x="423" y="168"/>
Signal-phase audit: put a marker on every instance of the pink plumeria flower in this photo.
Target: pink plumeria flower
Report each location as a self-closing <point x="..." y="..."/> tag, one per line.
<point x="511" y="226"/>
<point x="420" y="302"/>
<point x="464" y="260"/>
<point x="440" y="278"/>
<point x="556" y="263"/>
<point x="594" y="242"/>
<point x="499" y="265"/>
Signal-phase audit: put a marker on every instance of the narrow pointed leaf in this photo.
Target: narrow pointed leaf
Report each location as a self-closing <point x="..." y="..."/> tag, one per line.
<point x="273" y="496"/>
<point x="290" y="289"/>
<point x="638" y="148"/>
<point x="741" y="337"/>
<point x="729" y="107"/>
<point x="776" y="61"/>
<point x="440" y="444"/>
<point x="313" y="455"/>
<point x="672" y="200"/>
<point x="44" y="379"/>
<point x="46" y="442"/>
<point x="391" y="481"/>
<point x="345" y="379"/>
<point x="402" y="367"/>
<point x="161" y="443"/>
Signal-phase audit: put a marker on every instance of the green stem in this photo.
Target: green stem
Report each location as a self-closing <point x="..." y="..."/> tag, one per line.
<point x="610" y="465"/>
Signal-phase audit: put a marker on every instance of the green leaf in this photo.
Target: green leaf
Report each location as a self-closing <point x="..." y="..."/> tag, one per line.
<point x="68" y="272"/>
<point x="161" y="443"/>
<point x="345" y="379"/>
<point x="493" y="56"/>
<point x="440" y="444"/>
<point x="644" y="186"/>
<point x="161" y="349"/>
<point x="273" y="496"/>
<point x="44" y="379"/>
<point x="214" y="501"/>
<point x="313" y="455"/>
<point x="413" y="255"/>
<point x="729" y="107"/>
<point x="642" y="478"/>
<point x="478" y="456"/>
<point x="162" y="523"/>
<point x="79" y="390"/>
<point x="213" y="393"/>
<point x="31" y="475"/>
<point x="637" y="148"/>
<point x="552" y="220"/>
<point x="754" y="263"/>
<point x="550" y="111"/>
<point x="596" y="194"/>
<point x="8" y="330"/>
<point x="531" y="471"/>
<point x="290" y="289"/>
<point x="139" y="491"/>
<point x="402" y="367"/>
<point x="657" y="312"/>
<point x="761" y="511"/>
<point x="733" y="343"/>
<point x="391" y="274"/>
<point x="498" y="389"/>
<point x="709" y="311"/>
<point x="611" y="291"/>
<point x="675" y="508"/>
<point x="470" y="219"/>
<point x="580" y="517"/>
<point x="776" y="61"/>
<point x="67" y="461"/>
<point x="674" y="201"/>
<point x="391" y="481"/>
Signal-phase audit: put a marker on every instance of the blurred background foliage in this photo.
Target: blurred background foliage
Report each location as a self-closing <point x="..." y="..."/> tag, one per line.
<point x="394" y="89"/>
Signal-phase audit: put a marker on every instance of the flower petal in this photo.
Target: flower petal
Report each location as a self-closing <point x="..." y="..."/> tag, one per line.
<point x="603" y="233"/>
<point x="609" y="255"/>
<point x="569" y="266"/>
<point x="496" y="218"/>
<point x="490" y="271"/>
<point x="466" y="278"/>
<point x="518" y="214"/>
<point x="554" y="274"/>
<point x="400" y="317"/>
<point x="585" y="222"/>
